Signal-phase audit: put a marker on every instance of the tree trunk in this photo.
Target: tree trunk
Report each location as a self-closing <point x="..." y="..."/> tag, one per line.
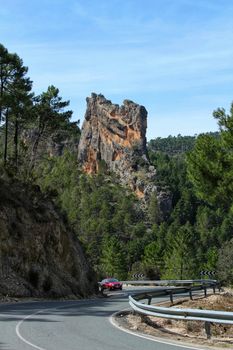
<point x="6" y="138"/>
<point x="1" y="93"/>
<point x="16" y="142"/>
<point x="35" y="148"/>
<point x="181" y="269"/>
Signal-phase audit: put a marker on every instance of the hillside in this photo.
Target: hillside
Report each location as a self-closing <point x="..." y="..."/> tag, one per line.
<point x="39" y="254"/>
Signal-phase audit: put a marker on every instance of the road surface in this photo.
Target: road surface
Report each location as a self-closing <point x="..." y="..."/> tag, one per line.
<point x="70" y="325"/>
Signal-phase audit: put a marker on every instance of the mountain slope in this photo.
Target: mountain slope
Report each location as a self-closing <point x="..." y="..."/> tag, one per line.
<point x="39" y="255"/>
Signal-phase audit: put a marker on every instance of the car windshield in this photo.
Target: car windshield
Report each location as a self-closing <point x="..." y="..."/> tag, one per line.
<point x="112" y="280"/>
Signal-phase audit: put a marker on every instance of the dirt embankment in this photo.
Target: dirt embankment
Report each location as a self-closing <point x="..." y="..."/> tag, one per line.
<point x="192" y="332"/>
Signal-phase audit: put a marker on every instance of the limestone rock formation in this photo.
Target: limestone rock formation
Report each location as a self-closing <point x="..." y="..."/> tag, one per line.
<point x="112" y="133"/>
<point x="39" y="256"/>
<point x="116" y="136"/>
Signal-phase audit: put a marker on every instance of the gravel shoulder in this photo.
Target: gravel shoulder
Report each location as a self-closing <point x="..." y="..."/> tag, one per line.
<point x="190" y="332"/>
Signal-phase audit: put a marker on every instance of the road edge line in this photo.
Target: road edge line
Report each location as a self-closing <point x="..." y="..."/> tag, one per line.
<point x="112" y="320"/>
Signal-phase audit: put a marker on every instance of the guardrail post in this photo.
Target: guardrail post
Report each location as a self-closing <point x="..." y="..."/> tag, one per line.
<point x="207" y="329"/>
<point x="171" y="296"/>
<point x="205" y="292"/>
<point x="149" y="297"/>
<point x="190" y="294"/>
<point x="214" y="289"/>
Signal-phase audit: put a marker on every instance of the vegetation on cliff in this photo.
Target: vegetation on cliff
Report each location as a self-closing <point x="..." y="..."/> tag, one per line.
<point x="39" y="253"/>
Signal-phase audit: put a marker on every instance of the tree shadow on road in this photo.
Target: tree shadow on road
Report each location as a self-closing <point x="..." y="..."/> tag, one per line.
<point x="43" y="311"/>
<point x="4" y="347"/>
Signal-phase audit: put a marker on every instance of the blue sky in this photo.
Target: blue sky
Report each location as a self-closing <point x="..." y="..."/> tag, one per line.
<point x="175" y="57"/>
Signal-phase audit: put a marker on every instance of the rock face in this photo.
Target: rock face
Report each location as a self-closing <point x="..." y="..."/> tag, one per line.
<point x="116" y="136"/>
<point x="39" y="256"/>
<point x="112" y="133"/>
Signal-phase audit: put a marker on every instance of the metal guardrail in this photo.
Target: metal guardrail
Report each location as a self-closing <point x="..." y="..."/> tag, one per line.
<point x="170" y="282"/>
<point x="208" y="316"/>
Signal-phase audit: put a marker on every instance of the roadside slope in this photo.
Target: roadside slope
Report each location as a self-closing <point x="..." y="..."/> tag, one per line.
<point x="39" y="254"/>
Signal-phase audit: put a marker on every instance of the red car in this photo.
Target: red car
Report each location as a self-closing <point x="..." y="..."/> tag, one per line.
<point x="110" y="283"/>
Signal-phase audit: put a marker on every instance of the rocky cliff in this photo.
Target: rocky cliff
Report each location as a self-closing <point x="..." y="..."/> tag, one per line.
<point x="116" y="135"/>
<point x="39" y="255"/>
<point x="112" y="133"/>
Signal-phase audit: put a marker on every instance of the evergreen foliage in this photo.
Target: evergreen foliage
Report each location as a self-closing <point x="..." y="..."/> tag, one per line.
<point x="200" y="181"/>
<point x="97" y="207"/>
<point x="15" y="103"/>
<point x="172" y="145"/>
<point x="113" y="258"/>
<point x="179" y="256"/>
<point x="225" y="263"/>
<point x="210" y="164"/>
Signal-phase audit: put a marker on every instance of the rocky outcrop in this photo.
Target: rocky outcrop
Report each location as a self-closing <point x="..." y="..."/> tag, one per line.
<point x="112" y="133"/>
<point x="39" y="255"/>
<point x="115" y="136"/>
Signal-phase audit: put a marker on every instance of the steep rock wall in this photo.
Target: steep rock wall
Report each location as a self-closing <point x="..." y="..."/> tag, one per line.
<point x="39" y="256"/>
<point x="112" y="133"/>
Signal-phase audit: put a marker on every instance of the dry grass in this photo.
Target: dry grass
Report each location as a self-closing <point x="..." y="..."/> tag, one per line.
<point x="191" y="331"/>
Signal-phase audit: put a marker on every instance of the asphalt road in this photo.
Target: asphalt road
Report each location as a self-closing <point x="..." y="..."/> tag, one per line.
<point x="70" y="325"/>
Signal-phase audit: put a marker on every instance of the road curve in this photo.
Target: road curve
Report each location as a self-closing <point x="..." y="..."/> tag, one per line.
<point x="70" y="325"/>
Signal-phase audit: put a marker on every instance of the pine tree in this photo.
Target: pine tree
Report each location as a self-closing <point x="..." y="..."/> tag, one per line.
<point x="50" y="116"/>
<point x="113" y="259"/>
<point x="153" y="209"/>
<point x="210" y="164"/>
<point x="179" y="259"/>
<point x="15" y="97"/>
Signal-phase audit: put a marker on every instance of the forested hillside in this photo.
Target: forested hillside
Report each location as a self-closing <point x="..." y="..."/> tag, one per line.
<point x="120" y="236"/>
<point x="172" y="145"/>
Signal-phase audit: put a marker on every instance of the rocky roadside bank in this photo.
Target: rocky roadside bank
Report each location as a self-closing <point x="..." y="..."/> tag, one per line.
<point x="190" y="332"/>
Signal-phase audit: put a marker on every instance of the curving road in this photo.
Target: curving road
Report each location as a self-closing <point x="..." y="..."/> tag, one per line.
<point x="70" y="325"/>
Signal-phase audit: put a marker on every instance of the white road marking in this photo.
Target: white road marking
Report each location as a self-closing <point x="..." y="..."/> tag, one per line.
<point x="21" y="337"/>
<point x="149" y="337"/>
<point x="112" y="321"/>
<point x="29" y="316"/>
